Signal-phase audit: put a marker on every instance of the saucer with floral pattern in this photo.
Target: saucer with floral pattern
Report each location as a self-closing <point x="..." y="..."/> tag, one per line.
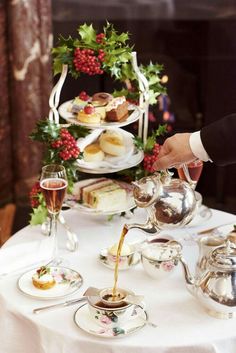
<point x="83" y="320"/>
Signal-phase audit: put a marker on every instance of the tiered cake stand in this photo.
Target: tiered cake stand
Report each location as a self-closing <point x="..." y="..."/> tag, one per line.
<point x="136" y="113"/>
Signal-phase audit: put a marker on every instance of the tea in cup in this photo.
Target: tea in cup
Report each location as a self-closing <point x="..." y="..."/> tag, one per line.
<point x="110" y="313"/>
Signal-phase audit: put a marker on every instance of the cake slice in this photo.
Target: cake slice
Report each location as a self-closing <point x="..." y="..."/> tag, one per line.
<point x="117" y="109"/>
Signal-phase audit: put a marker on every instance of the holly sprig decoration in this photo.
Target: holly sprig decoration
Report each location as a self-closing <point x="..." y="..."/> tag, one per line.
<point x="152" y="72"/>
<point x="60" y="148"/>
<point x="60" y="145"/>
<point x="94" y="53"/>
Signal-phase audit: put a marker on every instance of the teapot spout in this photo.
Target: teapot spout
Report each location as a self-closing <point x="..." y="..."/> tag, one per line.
<point x="190" y="282"/>
<point x="147" y="227"/>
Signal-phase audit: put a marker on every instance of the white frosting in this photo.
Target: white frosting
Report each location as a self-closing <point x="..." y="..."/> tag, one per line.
<point x="115" y="103"/>
<point x="44" y="278"/>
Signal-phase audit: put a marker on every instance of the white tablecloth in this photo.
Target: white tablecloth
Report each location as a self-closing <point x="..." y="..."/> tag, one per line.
<point x="183" y="325"/>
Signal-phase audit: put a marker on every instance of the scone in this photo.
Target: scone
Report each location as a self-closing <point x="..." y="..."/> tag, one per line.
<point x="93" y="153"/>
<point x="42" y="279"/>
<point x="111" y="142"/>
<point x="89" y="115"/>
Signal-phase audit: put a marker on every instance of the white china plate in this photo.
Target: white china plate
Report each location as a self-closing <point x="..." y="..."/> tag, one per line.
<point x="71" y="202"/>
<point x="83" y="321"/>
<point x="104" y="260"/>
<point x="109" y="162"/>
<point x="135" y="113"/>
<point x="204" y="214"/>
<point x="68" y="281"/>
<point x="134" y="160"/>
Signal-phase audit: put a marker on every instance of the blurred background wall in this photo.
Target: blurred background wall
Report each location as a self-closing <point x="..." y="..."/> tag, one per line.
<point x="25" y="84"/>
<point x="195" y="40"/>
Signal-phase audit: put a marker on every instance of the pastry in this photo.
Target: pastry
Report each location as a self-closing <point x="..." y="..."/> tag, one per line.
<point x="93" y="153"/>
<point x="79" y="103"/>
<point x="102" y="98"/>
<point x="117" y="109"/>
<point x="42" y="279"/>
<point x="89" y="115"/>
<point x="111" y="142"/>
<point x="100" y="109"/>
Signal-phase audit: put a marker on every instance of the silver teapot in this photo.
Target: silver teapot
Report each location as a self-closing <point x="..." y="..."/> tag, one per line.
<point x="215" y="287"/>
<point x="169" y="202"/>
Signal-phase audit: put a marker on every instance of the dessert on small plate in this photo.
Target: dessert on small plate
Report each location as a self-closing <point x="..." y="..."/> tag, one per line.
<point x="55" y="282"/>
<point x="43" y="279"/>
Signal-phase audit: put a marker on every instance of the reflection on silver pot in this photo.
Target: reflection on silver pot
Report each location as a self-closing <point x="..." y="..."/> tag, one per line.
<point x="169" y="203"/>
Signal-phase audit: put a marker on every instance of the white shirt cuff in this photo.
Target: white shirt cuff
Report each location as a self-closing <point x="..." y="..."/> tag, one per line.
<point x="197" y="147"/>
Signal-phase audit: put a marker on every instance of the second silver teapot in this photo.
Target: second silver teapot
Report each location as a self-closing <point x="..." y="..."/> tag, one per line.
<point x="169" y="202"/>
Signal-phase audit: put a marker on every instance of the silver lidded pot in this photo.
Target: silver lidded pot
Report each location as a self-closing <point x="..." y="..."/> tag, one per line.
<point x="216" y="287"/>
<point x="169" y="202"/>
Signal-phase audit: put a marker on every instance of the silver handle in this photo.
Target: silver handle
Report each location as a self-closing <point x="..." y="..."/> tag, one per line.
<point x="59" y="305"/>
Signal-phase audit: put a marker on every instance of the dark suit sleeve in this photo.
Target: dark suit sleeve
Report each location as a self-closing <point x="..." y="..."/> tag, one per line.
<point x="219" y="140"/>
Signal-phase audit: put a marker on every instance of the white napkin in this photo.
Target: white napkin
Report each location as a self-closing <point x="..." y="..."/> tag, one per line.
<point x="22" y="255"/>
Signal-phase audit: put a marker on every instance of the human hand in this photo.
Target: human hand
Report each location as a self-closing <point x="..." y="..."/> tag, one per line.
<point x="174" y="152"/>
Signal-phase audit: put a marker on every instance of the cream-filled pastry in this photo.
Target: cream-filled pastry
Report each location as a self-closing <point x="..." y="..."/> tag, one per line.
<point x="43" y="279"/>
<point x="89" y="115"/>
<point x="112" y="142"/>
<point x="93" y="153"/>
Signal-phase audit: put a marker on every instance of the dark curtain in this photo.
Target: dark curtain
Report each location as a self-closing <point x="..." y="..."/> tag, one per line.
<point x="25" y="85"/>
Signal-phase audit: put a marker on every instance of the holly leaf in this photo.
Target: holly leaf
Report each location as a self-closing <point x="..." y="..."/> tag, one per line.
<point x="138" y="142"/>
<point x="153" y="96"/>
<point x="39" y="215"/>
<point x="150" y="143"/>
<point x="87" y="33"/>
<point x="162" y="130"/>
<point x="78" y="131"/>
<point x="115" y="71"/>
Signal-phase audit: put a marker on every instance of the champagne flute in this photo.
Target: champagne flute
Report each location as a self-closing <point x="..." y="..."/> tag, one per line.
<point x="53" y="183"/>
<point x="191" y="172"/>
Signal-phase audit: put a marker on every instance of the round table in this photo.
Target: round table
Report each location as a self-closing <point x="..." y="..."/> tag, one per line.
<point x="183" y="324"/>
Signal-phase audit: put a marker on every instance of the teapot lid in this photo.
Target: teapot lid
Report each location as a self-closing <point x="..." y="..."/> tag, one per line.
<point x="224" y="257"/>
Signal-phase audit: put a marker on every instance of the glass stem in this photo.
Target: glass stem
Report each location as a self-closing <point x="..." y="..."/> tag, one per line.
<point x="54" y="235"/>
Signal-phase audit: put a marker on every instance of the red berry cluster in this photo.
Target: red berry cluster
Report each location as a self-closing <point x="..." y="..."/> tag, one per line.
<point x="67" y="145"/>
<point x="84" y="96"/>
<point x="34" y="195"/>
<point x="86" y="61"/>
<point x="150" y="158"/>
<point x="100" y="38"/>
